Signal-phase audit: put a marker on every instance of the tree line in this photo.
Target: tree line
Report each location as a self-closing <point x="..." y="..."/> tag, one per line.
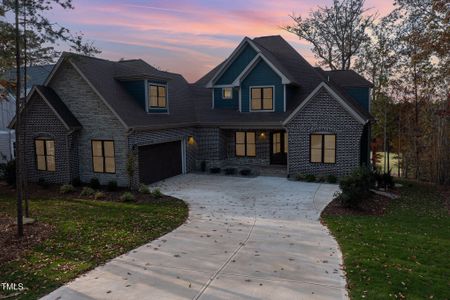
<point x="406" y="55"/>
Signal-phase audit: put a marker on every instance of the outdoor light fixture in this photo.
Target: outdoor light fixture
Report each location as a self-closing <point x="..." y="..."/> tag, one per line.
<point x="262" y="135"/>
<point x="191" y="140"/>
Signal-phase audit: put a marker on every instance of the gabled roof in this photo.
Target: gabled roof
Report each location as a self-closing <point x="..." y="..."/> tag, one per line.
<point x="346" y="78"/>
<point x="56" y="104"/>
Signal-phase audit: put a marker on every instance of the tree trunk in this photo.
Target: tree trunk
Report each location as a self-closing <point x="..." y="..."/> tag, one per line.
<point x="24" y="174"/>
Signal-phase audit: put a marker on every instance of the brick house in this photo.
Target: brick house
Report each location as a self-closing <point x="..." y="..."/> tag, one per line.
<point x="264" y="105"/>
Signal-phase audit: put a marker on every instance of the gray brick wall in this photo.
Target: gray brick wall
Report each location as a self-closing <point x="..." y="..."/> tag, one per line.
<point x="210" y="147"/>
<point x="98" y="123"/>
<point x="39" y="121"/>
<point x="324" y="114"/>
<point x="262" y="148"/>
<point x="150" y="137"/>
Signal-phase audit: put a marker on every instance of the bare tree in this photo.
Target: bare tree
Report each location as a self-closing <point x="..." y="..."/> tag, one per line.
<point x="336" y="32"/>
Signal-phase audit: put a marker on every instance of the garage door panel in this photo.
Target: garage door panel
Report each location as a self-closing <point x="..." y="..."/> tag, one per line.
<point x="159" y="161"/>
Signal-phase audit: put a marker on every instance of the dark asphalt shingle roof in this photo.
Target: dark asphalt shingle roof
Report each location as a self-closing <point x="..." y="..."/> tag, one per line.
<point x="347" y="78"/>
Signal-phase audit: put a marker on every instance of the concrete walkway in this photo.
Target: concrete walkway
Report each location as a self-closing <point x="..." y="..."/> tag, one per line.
<point x="246" y="238"/>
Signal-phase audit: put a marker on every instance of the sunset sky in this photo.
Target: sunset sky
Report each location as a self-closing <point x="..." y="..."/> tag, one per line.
<point x="187" y="37"/>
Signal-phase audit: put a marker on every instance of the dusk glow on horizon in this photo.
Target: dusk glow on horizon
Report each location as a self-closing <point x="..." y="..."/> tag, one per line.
<point x="186" y="37"/>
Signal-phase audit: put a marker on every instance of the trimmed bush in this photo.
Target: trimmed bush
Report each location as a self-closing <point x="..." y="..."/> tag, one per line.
<point x="245" y="172"/>
<point x="299" y="177"/>
<point x="331" y="179"/>
<point x="157" y="194"/>
<point x="143" y="189"/>
<point x="356" y="187"/>
<point x="112" y="186"/>
<point x="8" y="172"/>
<point x="310" y="178"/>
<point x="94" y="183"/>
<point x="230" y="171"/>
<point x="99" y="196"/>
<point x="87" y="192"/>
<point x="76" y="181"/>
<point x="127" y="197"/>
<point x="66" y="189"/>
<point x="215" y="170"/>
<point x="43" y="183"/>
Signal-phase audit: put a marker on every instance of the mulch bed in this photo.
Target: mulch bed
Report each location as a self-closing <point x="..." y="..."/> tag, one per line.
<point x="375" y="205"/>
<point x="11" y="246"/>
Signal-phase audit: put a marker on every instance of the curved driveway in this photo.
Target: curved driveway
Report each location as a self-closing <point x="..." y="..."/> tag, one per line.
<point x="246" y="238"/>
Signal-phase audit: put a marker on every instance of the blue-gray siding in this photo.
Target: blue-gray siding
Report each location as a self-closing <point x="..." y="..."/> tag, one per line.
<point x="226" y="103"/>
<point x="238" y="65"/>
<point x="361" y="95"/>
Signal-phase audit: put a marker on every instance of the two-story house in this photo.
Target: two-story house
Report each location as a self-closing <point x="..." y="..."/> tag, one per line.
<point x="264" y="105"/>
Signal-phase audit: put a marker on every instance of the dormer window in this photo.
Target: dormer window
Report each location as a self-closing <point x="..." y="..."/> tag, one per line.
<point x="261" y="98"/>
<point x="227" y="93"/>
<point x="157" y="96"/>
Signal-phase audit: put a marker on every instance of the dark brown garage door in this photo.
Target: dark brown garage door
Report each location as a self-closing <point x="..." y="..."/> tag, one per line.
<point x="160" y="161"/>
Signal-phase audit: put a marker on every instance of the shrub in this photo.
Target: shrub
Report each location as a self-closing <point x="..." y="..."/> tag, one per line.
<point x="143" y="189"/>
<point x="112" y="186"/>
<point x="299" y="177"/>
<point x="127" y="197"/>
<point x="384" y="180"/>
<point x="331" y="179"/>
<point x="157" y="193"/>
<point x="76" y="181"/>
<point x="310" y="178"/>
<point x="245" y="172"/>
<point x="87" y="192"/>
<point x="43" y="183"/>
<point x="203" y="166"/>
<point x="230" y="171"/>
<point x="8" y="172"/>
<point x="356" y="187"/>
<point x="321" y="179"/>
<point x="66" y="189"/>
<point x="215" y="170"/>
<point x="99" y="196"/>
<point x="94" y="183"/>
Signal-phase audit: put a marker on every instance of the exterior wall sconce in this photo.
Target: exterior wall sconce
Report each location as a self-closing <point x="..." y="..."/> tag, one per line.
<point x="262" y="136"/>
<point x="191" y="140"/>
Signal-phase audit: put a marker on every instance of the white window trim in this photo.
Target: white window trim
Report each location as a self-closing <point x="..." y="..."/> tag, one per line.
<point x="223" y="90"/>
<point x="148" y="108"/>
<point x="250" y="98"/>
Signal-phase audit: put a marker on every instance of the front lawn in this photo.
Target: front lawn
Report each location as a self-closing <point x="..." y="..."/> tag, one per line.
<point x="403" y="254"/>
<point x="84" y="234"/>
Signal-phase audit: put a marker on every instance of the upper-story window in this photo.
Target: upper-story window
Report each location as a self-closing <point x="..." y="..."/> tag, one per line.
<point x="157" y="96"/>
<point x="227" y="93"/>
<point x="261" y="98"/>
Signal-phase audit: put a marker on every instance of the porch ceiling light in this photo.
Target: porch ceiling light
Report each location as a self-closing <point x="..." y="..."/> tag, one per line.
<point x="191" y="140"/>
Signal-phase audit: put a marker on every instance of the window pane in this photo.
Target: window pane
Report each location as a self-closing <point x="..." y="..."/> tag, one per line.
<point x="153" y="91"/>
<point x="51" y="163"/>
<point x="227" y="93"/>
<point x="330" y="142"/>
<point x="41" y="163"/>
<point x="329" y="156"/>
<point x="240" y="149"/>
<point x="98" y="164"/>
<point x="161" y="101"/>
<point x="251" y="150"/>
<point x="268" y="93"/>
<point x="240" y="137"/>
<point x="267" y="104"/>
<point x="285" y="142"/>
<point x="162" y="91"/>
<point x="316" y="141"/>
<point x="109" y="148"/>
<point x="39" y="147"/>
<point x="50" y="147"/>
<point x="316" y="155"/>
<point x="251" y="137"/>
<point x="256" y="104"/>
<point x="110" y="165"/>
<point x="97" y="148"/>
<point x="256" y="93"/>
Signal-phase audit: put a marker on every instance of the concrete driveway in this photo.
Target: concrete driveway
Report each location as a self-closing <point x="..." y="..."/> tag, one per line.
<point x="246" y="238"/>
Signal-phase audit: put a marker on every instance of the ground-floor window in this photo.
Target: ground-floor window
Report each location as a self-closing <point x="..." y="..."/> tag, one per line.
<point x="45" y="154"/>
<point x="323" y="148"/>
<point x="103" y="158"/>
<point x="246" y="143"/>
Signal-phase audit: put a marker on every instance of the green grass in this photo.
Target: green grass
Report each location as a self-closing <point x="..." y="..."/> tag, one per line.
<point x="404" y="253"/>
<point x="87" y="234"/>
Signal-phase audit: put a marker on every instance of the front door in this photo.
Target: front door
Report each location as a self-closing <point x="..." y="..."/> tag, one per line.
<point x="279" y="148"/>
